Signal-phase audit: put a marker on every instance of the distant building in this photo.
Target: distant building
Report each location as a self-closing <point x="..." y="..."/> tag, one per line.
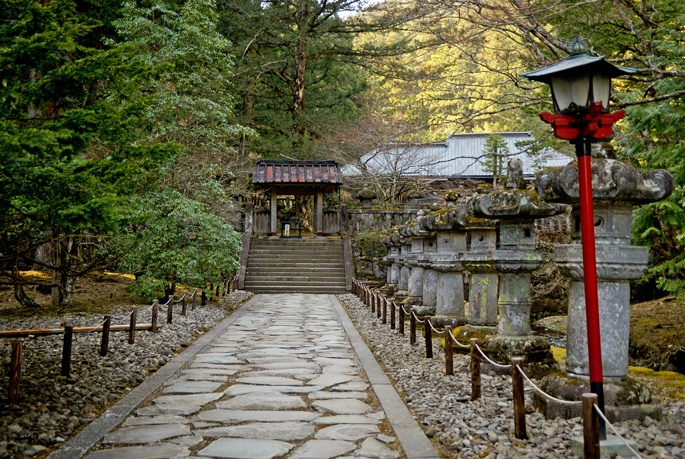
<point x="461" y="155"/>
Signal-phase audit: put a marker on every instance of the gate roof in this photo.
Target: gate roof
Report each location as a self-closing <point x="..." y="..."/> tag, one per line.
<point x="294" y="175"/>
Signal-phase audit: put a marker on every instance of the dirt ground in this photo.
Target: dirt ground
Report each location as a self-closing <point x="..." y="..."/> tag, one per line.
<point x="96" y="293"/>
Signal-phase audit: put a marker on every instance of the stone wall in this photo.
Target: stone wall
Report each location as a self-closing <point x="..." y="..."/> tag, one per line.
<point x="367" y="219"/>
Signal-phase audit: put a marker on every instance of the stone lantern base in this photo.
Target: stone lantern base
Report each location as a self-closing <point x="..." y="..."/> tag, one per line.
<point x="535" y="351"/>
<point x="624" y="398"/>
<point x="464" y="333"/>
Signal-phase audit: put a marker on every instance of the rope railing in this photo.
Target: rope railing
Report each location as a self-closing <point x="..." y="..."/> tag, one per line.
<point x="454" y="340"/>
<point x="416" y="318"/>
<point x="105" y="327"/>
<point x="490" y="361"/>
<point x="606" y="421"/>
<point x="542" y="393"/>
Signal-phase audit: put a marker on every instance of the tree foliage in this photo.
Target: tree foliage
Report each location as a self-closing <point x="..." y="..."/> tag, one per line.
<point x="194" y="104"/>
<point x="496" y="152"/>
<point x="174" y="239"/>
<point x="68" y="156"/>
<point x="297" y="71"/>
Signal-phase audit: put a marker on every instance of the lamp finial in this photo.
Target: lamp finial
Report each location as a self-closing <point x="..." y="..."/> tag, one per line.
<point x="578" y="46"/>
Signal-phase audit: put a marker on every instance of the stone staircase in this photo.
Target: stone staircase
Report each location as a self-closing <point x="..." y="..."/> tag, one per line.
<point x="307" y="265"/>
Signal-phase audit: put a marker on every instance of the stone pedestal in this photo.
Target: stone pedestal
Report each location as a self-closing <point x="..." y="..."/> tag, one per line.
<point x="514" y="336"/>
<point x="450" y="239"/>
<point x="403" y="279"/>
<point x="430" y="287"/>
<point x="617" y="264"/>
<point x="392" y="272"/>
<point x="484" y="281"/>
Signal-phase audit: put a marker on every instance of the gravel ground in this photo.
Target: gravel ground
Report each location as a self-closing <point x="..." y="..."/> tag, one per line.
<point x="52" y="407"/>
<point x="484" y="428"/>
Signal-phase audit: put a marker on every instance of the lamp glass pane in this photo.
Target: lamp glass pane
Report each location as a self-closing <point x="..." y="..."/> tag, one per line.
<point x="571" y="91"/>
<point x="601" y="89"/>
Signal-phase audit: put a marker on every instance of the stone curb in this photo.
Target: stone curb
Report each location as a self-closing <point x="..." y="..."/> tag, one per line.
<point x="412" y="438"/>
<point x="78" y="446"/>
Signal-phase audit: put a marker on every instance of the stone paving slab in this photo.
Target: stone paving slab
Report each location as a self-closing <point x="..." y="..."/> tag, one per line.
<point x="298" y="392"/>
<point x="285" y="431"/>
<point x="146" y="434"/>
<point x="163" y="451"/>
<point x="243" y="448"/>
<point x="236" y="416"/>
<point x="263" y="401"/>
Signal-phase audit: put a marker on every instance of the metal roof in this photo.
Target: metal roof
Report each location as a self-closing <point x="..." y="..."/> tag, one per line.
<point x="300" y="173"/>
<point x="460" y="155"/>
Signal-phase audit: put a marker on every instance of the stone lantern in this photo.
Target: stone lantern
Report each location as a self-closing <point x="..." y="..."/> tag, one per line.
<point x="616" y="186"/>
<point x="443" y="270"/>
<point x="419" y="240"/>
<point x="365" y="198"/>
<point x="515" y="258"/>
<point x="391" y="260"/>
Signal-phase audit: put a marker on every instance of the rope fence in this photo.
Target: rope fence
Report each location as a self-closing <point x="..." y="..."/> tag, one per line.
<point x="17" y="346"/>
<point x="373" y="299"/>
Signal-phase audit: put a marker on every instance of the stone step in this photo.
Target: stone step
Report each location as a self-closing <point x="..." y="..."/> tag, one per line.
<point x="297" y="255"/>
<point x="271" y="263"/>
<point x="290" y="271"/>
<point x="295" y="289"/>
<point x="296" y="265"/>
<point x="294" y="242"/>
<point x="294" y="278"/>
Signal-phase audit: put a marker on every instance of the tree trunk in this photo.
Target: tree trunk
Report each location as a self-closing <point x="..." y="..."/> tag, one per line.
<point x="169" y="290"/>
<point x="300" y="62"/>
<point x="67" y="283"/>
<point x="56" y="296"/>
<point x="19" y="293"/>
<point x="300" y="68"/>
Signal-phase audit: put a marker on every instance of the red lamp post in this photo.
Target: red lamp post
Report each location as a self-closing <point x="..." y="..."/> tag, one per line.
<point x="581" y="86"/>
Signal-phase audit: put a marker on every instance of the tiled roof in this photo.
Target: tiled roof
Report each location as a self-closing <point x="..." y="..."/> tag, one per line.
<point x="296" y="173"/>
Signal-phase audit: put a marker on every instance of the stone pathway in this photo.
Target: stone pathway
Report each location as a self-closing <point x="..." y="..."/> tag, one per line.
<point x="288" y="378"/>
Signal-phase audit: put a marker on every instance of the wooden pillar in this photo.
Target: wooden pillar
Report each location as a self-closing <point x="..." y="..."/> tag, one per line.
<point x="274" y="212"/>
<point x="319" y="213"/>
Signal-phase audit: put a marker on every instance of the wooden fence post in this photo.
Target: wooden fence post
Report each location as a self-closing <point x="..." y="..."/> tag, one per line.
<point x="203" y="301"/>
<point x="590" y="427"/>
<point x="385" y="310"/>
<point x="155" y="306"/>
<point x="217" y="289"/>
<point x="392" y="315"/>
<point x="170" y="309"/>
<point x="372" y="302"/>
<point x="66" y="350"/>
<point x="132" y="327"/>
<point x="412" y="327"/>
<point x="104" y="345"/>
<point x="378" y="305"/>
<point x="449" y="358"/>
<point x="475" y="370"/>
<point x="428" y="333"/>
<point x="519" y="403"/>
<point x="194" y="298"/>
<point x="15" y="373"/>
<point x="400" y="311"/>
<point x="184" y="304"/>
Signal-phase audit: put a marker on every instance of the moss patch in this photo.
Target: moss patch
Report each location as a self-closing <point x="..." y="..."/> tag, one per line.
<point x="657" y="334"/>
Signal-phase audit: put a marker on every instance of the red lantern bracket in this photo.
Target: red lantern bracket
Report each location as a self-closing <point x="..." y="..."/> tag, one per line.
<point x="593" y="125"/>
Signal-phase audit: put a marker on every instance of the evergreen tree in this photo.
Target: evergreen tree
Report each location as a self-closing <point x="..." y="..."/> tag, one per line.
<point x="68" y="153"/>
<point x="495" y="153"/>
